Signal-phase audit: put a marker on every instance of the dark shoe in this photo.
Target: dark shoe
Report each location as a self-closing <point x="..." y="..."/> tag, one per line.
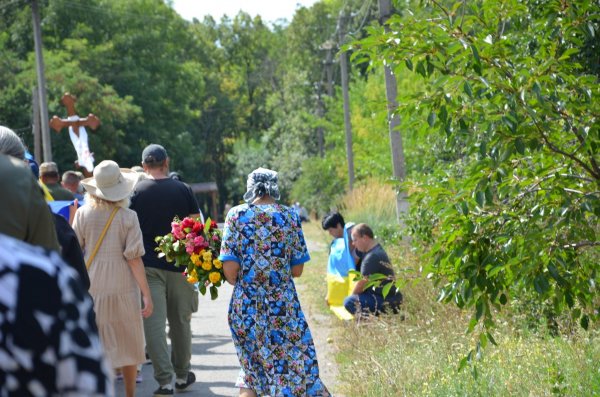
<point x="165" y="390"/>
<point x="180" y="386"/>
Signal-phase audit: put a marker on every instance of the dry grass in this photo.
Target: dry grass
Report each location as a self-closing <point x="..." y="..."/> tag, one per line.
<point x="373" y="203"/>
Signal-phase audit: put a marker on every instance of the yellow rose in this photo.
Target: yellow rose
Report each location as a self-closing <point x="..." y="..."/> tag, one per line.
<point x="195" y="258"/>
<point x="206" y="266"/>
<point x="207" y="255"/>
<point x="192" y="279"/>
<point x="217" y="264"/>
<point x="214" y="277"/>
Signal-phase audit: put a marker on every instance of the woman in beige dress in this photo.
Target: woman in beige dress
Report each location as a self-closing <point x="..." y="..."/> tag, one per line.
<point x="116" y="271"/>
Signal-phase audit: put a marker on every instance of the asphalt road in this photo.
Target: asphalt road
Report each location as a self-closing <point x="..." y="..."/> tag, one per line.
<point x="214" y="360"/>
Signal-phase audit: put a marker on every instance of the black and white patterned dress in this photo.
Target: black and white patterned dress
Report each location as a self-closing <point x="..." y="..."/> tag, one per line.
<point x="49" y="342"/>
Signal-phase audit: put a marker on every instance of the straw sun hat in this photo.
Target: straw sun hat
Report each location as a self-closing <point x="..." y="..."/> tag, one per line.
<point x="110" y="182"/>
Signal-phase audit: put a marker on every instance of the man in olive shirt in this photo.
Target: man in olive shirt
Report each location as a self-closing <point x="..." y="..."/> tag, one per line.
<point x="24" y="213"/>
<point x="51" y="178"/>
<point x="374" y="261"/>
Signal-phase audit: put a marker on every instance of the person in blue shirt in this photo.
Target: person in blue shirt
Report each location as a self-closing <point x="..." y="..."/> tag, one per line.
<point x="341" y="258"/>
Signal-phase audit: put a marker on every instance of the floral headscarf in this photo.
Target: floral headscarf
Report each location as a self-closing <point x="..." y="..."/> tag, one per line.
<point x="261" y="182"/>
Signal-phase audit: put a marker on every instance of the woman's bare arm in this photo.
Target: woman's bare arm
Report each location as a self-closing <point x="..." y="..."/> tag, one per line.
<point x="137" y="268"/>
<point x="297" y="270"/>
<point x="231" y="270"/>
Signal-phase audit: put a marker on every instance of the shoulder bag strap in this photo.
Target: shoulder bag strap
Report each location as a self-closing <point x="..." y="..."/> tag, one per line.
<point x="99" y="243"/>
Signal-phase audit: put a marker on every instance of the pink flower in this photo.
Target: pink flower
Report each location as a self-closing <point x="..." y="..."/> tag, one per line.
<point x="189" y="247"/>
<point x="200" y="242"/>
<point x="176" y="231"/>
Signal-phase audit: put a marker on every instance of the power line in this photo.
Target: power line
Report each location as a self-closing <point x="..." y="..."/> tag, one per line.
<point x="366" y="7"/>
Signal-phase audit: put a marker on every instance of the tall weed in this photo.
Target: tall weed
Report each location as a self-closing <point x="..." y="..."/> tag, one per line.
<point x="374" y="203"/>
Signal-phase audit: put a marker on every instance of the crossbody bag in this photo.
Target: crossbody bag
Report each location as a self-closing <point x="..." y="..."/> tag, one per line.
<point x="88" y="263"/>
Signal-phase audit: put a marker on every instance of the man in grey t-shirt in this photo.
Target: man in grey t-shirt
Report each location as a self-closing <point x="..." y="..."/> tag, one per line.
<point x="374" y="260"/>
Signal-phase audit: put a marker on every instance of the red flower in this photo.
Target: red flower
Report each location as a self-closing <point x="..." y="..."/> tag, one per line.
<point x="187" y="224"/>
<point x="197" y="227"/>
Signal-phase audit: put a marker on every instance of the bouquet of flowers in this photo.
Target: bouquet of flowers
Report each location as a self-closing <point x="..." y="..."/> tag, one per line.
<point x="196" y="247"/>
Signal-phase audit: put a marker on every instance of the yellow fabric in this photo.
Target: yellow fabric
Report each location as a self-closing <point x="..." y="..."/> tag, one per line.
<point x="351" y="283"/>
<point x="341" y="312"/>
<point x="47" y="194"/>
<point x="337" y="289"/>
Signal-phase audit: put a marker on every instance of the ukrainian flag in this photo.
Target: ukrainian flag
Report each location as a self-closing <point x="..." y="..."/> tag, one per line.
<point x="339" y="285"/>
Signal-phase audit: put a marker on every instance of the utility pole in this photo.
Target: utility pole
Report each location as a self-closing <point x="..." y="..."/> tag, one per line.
<point x="328" y="46"/>
<point x="391" y="90"/>
<point x="344" y="70"/>
<point x="328" y="77"/>
<point x="320" y="113"/>
<point x="37" y="147"/>
<point x="39" y="58"/>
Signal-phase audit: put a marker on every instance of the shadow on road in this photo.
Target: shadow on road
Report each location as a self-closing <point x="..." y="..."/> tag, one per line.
<point x="214" y="360"/>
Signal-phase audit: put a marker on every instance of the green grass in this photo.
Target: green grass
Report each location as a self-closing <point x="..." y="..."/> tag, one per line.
<point x="419" y="356"/>
<point x="392" y="358"/>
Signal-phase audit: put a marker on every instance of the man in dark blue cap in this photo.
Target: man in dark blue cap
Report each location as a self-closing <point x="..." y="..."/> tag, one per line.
<point x="157" y="200"/>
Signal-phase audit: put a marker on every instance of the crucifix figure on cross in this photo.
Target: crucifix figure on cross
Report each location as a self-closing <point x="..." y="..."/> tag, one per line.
<point x="77" y="131"/>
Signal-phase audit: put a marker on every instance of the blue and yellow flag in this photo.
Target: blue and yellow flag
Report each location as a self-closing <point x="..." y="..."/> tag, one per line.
<point x="341" y="261"/>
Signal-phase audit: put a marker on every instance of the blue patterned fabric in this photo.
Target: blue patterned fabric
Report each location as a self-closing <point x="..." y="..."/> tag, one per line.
<point x="269" y="330"/>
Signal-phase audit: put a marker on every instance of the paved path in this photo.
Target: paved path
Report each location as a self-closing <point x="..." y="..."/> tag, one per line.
<point x="214" y="360"/>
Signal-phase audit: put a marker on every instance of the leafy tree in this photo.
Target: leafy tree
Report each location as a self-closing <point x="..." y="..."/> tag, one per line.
<point x="252" y="63"/>
<point x="512" y="89"/>
<point x="248" y="154"/>
<point x="308" y="31"/>
<point x="65" y="74"/>
<point x="137" y="51"/>
<point x="321" y="186"/>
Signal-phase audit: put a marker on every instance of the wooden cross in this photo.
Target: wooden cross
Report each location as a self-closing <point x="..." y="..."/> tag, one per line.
<point x="57" y="124"/>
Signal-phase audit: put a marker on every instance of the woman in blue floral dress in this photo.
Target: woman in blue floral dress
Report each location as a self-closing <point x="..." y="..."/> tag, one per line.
<point x="263" y="248"/>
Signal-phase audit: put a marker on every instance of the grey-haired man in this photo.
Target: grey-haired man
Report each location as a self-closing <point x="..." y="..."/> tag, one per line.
<point x="157" y="200"/>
